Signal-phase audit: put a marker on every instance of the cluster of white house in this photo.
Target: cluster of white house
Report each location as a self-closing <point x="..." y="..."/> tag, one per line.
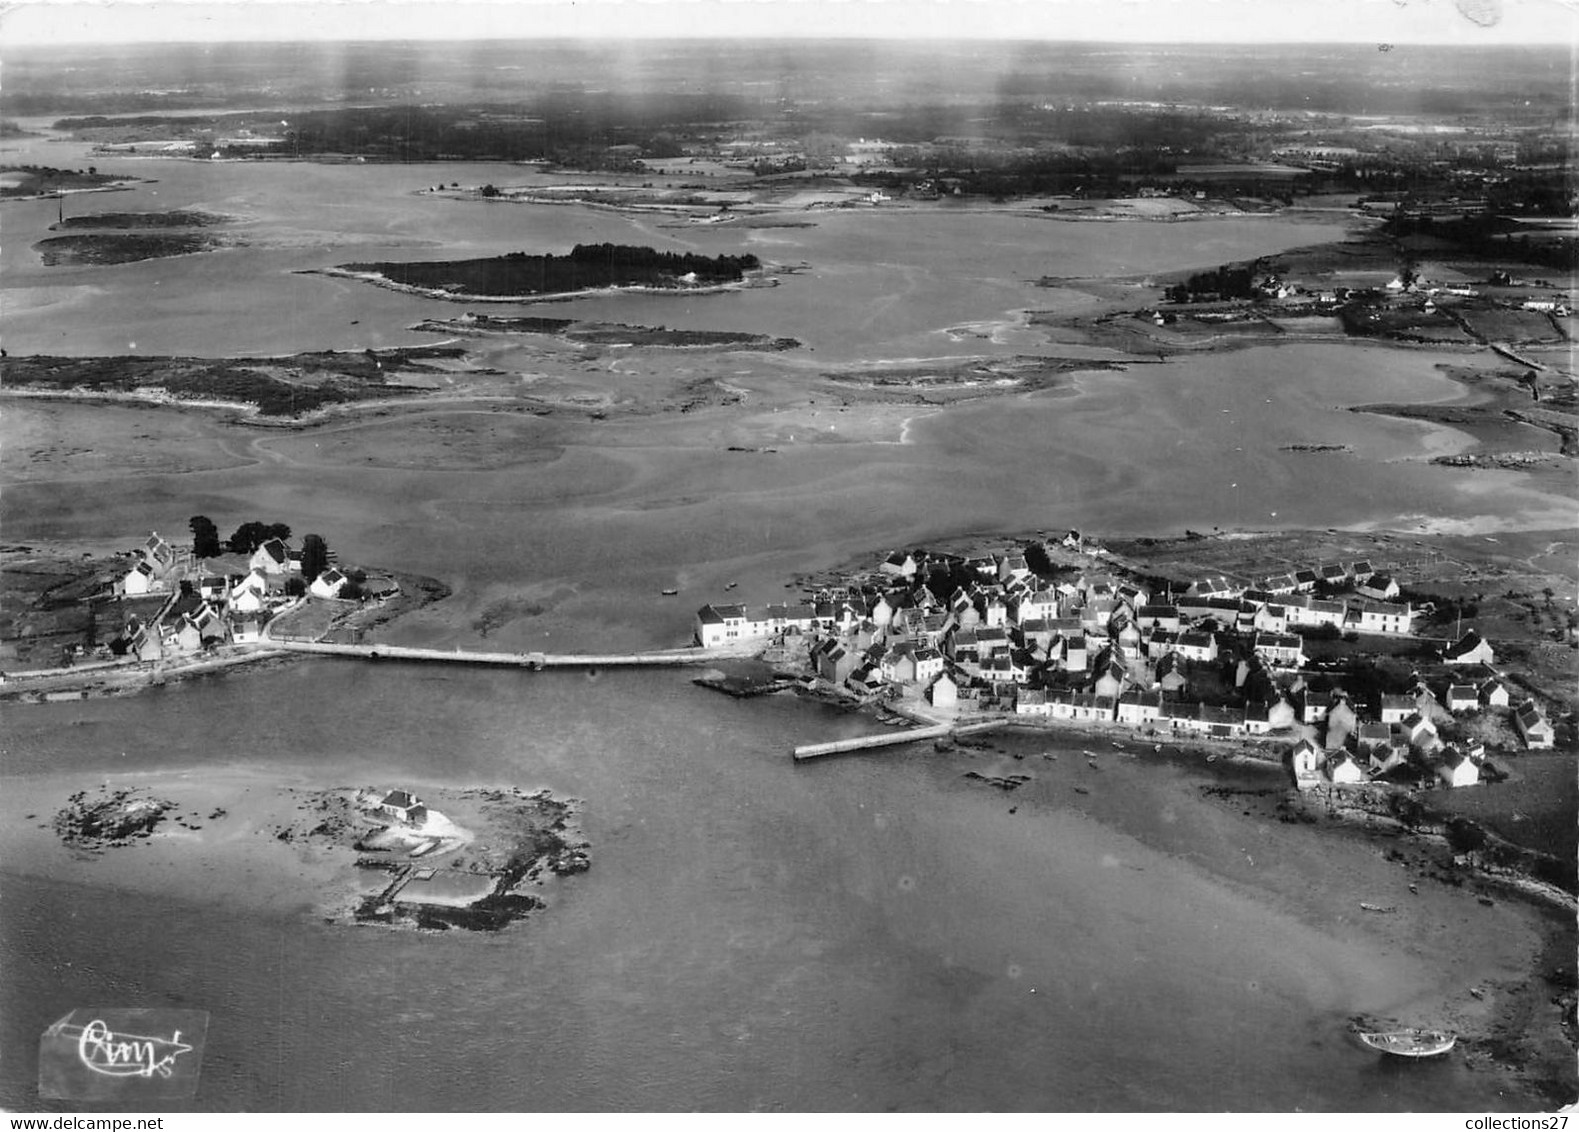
<point x="1100" y="648"/>
<point x="215" y="607"/>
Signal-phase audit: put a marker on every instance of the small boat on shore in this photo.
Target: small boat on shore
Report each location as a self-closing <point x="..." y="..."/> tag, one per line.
<point x="670" y="593"/>
<point x="1410" y="1043"/>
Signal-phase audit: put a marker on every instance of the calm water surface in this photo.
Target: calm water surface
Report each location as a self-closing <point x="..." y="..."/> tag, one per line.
<point x="878" y="285"/>
<point x="870" y="933"/>
<point x="864" y="934"/>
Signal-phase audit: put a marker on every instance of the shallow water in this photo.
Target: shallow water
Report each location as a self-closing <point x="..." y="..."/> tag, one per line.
<point x="866" y="933"/>
<point x="879" y="284"/>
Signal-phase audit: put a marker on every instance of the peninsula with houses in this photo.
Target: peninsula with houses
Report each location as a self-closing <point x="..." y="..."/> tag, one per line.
<point x="950" y="637"/>
<point x="1349" y="673"/>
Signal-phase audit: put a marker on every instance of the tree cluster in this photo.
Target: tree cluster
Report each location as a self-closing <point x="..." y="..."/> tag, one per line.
<point x="251" y="535"/>
<point x="587" y="266"/>
<point x="1227" y="282"/>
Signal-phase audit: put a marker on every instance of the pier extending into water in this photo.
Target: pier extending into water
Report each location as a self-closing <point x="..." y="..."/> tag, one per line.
<point x="533" y="660"/>
<point x="892" y="738"/>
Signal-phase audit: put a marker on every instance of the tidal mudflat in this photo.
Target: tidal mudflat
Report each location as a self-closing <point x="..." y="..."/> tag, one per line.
<point x="1131" y="932"/>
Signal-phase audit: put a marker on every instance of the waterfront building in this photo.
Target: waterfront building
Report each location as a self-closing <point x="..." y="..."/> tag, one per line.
<point x="403" y="806"/>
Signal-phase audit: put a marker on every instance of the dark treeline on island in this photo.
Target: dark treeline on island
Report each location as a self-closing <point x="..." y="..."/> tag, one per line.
<point x="276" y="387"/>
<point x="587" y="266"/>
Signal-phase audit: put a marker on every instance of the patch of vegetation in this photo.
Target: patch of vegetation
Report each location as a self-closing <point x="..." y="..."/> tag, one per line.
<point x="175" y="218"/>
<point x="121" y="247"/>
<point x="588" y="266"/>
<point x="37" y="180"/>
<point x="114" y="817"/>
<point x="281" y="387"/>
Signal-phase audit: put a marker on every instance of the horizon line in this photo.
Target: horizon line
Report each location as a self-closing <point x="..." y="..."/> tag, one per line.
<point x="8" y="45"/>
<point x="1205" y="23"/>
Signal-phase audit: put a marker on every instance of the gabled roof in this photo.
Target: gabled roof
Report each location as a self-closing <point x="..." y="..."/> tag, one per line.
<point x="275" y="549"/>
<point x="400" y="799"/>
<point x="1529" y="713"/>
<point x="1144" y="699"/>
<point x="1465" y="645"/>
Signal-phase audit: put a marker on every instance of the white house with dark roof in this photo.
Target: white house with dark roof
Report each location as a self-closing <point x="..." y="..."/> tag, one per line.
<point x="1302" y="610"/>
<point x="720" y="624"/>
<point x="1032" y="701"/>
<point x="929" y="664"/>
<point x="1458" y="769"/>
<point x="1136" y="707"/>
<point x="1380" y="587"/>
<point x="1372" y="734"/>
<point x="900" y="564"/>
<point x="140" y="579"/>
<point x="834" y="660"/>
<point x="1396" y="709"/>
<point x="1378" y="617"/>
<point x="882" y="610"/>
<point x="1279" y="584"/>
<point x="329" y="584"/>
<point x="249" y="594"/>
<point x="1493" y="692"/>
<point x="1038" y="605"/>
<point x="1468" y="649"/>
<point x="1196" y="646"/>
<point x="1012" y="566"/>
<point x="944" y="692"/>
<point x="247" y="629"/>
<point x="155" y="559"/>
<point x="1305" y="761"/>
<point x="1165" y="617"/>
<point x="403" y="806"/>
<point x="898" y="665"/>
<point x="1272" y="618"/>
<point x="1280" y="650"/>
<point x="1462" y="697"/>
<point x="1214" y="585"/>
<point x="273" y="557"/>
<point x="1342" y="770"/>
<point x="1533" y="727"/>
<point x="1421" y="733"/>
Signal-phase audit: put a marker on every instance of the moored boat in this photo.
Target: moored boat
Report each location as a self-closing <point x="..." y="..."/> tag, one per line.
<point x="1409" y="1043"/>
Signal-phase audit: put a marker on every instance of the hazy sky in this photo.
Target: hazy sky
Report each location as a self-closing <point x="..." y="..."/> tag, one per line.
<point x="1390" y="21"/>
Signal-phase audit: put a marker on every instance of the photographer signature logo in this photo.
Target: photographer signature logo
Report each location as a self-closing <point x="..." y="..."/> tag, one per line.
<point x="104" y="1051"/>
<point x="122" y="1053"/>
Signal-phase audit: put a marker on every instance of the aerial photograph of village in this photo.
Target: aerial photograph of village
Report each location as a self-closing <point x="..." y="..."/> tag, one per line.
<point x="794" y="557"/>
